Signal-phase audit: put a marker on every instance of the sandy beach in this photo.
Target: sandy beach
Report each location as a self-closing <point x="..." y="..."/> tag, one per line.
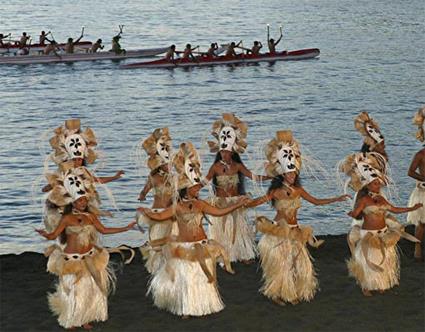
<point x="338" y="306"/>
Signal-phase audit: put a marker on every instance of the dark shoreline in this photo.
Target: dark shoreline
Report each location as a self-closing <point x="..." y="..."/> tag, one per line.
<point x="338" y="306"/>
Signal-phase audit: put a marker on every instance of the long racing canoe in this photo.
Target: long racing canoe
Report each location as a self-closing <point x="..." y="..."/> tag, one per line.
<point x="227" y="60"/>
<point x="76" y="57"/>
<point x="83" y="46"/>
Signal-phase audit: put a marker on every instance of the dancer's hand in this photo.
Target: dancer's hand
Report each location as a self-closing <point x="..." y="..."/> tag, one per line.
<point x="350" y="214"/>
<point x="343" y="198"/>
<point x="131" y="225"/>
<point x="142" y="197"/>
<point x="42" y="232"/>
<point x="119" y="174"/>
<point x="418" y="206"/>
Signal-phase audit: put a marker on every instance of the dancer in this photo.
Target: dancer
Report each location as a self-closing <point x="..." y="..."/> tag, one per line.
<point x="82" y="265"/>
<point x="288" y="272"/>
<point x="186" y="284"/>
<point x="228" y="173"/>
<point x="160" y="180"/>
<point x="417" y="172"/>
<point x="72" y="148"/>
<point x="374" y="262"/>
<point x="373" y="140"/>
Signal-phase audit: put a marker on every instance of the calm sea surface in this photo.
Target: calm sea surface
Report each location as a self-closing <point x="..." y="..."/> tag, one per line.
<point x="372" y="59"/>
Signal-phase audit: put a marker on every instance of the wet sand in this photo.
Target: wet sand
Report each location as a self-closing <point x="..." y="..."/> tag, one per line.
<point x="338" y="306"/>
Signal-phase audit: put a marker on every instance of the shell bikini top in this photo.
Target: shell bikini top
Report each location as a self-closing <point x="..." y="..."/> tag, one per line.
<point x="376" y="209"/>
<point x="86" y="234"/>
<point x="226" y="181"/>
<point x="288" y="205"/>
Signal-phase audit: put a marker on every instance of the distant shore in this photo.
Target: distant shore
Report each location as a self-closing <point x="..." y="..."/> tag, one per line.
<point x="338" y="306"/>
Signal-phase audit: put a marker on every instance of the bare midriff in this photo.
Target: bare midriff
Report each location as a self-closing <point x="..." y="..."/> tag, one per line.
<point x="73" y="244"/>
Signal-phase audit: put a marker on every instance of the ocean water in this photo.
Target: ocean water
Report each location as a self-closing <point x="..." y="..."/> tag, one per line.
<point x="371" y="60"/>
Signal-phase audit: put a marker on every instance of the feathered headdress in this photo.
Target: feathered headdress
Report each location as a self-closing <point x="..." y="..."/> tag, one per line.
<point x="363" y="168"/>
<point x="158" y="148"/>
<point x="188" y="166"/>
<point x="419" y="120"/>
<point x="71" y="142"/>
<point x="283" y="154"/>
<point x="230" y="134"/>
<point x="369" y="129"/>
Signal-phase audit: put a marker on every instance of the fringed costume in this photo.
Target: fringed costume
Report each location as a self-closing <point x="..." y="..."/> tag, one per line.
<point x="288" y="272"/>
<point x="186" y="283"/>
<point x="418" y="194"/>
<point x="374" y="261"/>
<point x="233" y="231"/>
<point x="158" y="148"/>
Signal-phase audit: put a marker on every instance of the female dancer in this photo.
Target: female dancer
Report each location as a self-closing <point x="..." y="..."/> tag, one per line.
<point x="288" y="272"/>
<point x="186" y="283"/>
<point x="374" y="262"/>
<point x="72" y="148"/>
<point x="417" y="172"/>
<point x="158" y="148"/>
<point x="227" y="174"/>
<point x="82" y="265"/>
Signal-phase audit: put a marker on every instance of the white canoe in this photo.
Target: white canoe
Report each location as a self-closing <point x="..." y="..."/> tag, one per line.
<point x="36" y="59"/>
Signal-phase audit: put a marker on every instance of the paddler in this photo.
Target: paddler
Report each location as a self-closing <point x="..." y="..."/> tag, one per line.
<point x="187" y="53"/>
<point x="170" y="53"/>
<point x="231" y="48"/>
<point x="116" y="47"/>
<point x="69" y="47"/>
<point x="43" y="37"/>
<point x="23" y="40"/>
<point x="255" y="50"/>
<point x="272" y="43"/>
<point x="212" y="51"/>
<point x="1" y="40"/>
<point x="52" y="47"/>
<point x="96" y="46"/>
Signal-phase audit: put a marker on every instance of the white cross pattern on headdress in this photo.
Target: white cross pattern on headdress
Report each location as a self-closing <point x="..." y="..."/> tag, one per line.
<point x="75" y="146"/>
<point x="374" y="133"/>
<point x="163" y="150"/>
<point x="74" y="186"/>
<point x="286" y="159"/>
<point x="227" y="138"/>
<point x="191" y="172"/>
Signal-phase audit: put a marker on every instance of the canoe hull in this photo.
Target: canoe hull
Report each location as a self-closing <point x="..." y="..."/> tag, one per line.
<point x="77" y="57"/>
<point x="225" y="60"/>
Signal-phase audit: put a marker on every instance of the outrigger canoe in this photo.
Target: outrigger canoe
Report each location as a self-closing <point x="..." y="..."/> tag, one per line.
<point x="37" y="48"/>
<point x="227" y="60"/>
<point x="76" y="57"/>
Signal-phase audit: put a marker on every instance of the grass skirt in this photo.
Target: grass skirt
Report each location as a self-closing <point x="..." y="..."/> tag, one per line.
<point x="157" y="230"/>
<point x="374" y="263"/>
<point x="418" y="196"/>
<point x="233" y="231"/>
<point x="181" y="286"/>
<point x="84" y="284"/>
<point x="288" y="272"/>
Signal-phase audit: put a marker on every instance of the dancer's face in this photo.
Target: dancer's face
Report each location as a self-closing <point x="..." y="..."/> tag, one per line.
<point x="81" y="203"/>
<point x="193" y="191"/>
<point x="375" y="186"/>
<point x="78" y="162"/>
<point x="290" y="177"/>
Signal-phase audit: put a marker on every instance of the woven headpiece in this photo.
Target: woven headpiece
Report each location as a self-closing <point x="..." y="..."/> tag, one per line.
<point x="369" y="129"/>
<point x="283" y="154"/>
<point x="70" y="142"/>
<point x="230" y="134"/>
<point x="188" y="166"/>
<point x="363" y="168"/>
<point x="158" y="148"/>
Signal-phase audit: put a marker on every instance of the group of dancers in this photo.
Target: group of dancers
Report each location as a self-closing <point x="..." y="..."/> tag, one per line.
<point x="179" y="254"/>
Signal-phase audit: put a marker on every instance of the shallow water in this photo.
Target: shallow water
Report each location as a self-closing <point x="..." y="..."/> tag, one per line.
<point x="371" y="59"/>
